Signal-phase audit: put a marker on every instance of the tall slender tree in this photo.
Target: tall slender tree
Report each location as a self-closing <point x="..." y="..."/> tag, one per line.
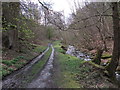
<point x="116" y="48"/>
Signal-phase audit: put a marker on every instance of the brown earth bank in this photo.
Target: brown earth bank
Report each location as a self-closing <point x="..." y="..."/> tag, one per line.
<point x="13" y="60"/>
<point x="94" y="77"/>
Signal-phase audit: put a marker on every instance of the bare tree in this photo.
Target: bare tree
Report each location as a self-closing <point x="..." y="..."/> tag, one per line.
<point x="116" y="49"/>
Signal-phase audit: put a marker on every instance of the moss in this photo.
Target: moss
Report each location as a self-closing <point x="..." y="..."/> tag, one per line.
<point x="106" y="55"/>
<point x="95" y="65"/>
<point x="57" y="46"/>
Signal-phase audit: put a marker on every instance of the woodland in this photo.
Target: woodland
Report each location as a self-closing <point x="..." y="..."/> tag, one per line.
<point x="30" y="29"/>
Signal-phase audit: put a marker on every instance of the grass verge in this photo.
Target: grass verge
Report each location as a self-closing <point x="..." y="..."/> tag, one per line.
<point x="69" y="68"/>
<point x="76" y="73"/>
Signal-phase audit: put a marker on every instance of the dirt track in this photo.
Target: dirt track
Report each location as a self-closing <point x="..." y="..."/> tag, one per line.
<point x="19" y="78"/>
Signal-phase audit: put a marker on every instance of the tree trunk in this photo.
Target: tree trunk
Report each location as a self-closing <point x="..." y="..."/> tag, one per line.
<point x="98" y="56"/>
<point x="1" y="34"/>
<point x="13" y="32"/>
<point x="116" y="48"/>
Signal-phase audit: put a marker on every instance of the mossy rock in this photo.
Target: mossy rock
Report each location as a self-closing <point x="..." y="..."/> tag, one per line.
<point x="106" y="55"/>
<point x="64" y="48"/>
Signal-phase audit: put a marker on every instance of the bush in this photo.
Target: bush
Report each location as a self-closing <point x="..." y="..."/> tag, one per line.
<point x="20" y="57"/>
<point x="13" y="61"/>
<point x="4" y="67"/>
<point x="10" y="69"/>
<point x="4" y="72"/>
<point x="7" y="62"/>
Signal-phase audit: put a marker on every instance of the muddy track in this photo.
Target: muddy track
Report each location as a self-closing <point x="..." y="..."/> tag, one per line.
<point x="43" y="80"/>
<point x="17" y="79"/>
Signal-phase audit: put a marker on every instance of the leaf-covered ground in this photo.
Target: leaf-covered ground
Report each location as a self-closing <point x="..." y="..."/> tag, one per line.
<point x="12" y="60"/>
<point x="93" y="76"/>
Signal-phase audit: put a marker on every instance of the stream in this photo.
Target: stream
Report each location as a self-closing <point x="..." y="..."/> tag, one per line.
<point x="73" y="52"/>
<point x="43" y="78"/>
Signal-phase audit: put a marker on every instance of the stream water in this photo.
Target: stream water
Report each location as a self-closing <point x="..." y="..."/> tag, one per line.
<point x="72" y="51"/>
<point x="43" y="79"/>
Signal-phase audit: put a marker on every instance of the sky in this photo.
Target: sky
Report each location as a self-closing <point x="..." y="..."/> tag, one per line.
<point x="67" y="5"/>
<point x="61" y="5"/>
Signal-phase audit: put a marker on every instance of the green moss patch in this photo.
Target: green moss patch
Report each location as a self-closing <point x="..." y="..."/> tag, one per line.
<point x="106" y="55"/>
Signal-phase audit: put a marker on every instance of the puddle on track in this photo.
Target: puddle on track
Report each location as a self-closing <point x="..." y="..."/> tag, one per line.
<point x="43" y="79"/>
